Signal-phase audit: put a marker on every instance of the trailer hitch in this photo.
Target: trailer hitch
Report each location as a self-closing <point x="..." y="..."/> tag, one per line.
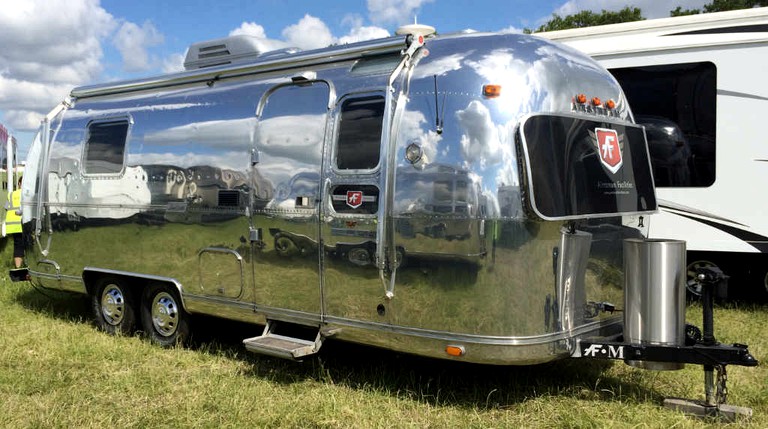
<point x="700" y="349"/>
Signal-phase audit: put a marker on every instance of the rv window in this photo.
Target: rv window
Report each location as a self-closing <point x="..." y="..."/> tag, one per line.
<point x="105" y="147"/>
<point x="677" y="105"/>
<point x="581" y="168"/>
<point x="360" y="133"/>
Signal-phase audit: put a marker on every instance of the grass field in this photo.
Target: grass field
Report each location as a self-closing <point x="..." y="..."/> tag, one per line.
<point x="57" y="370"/>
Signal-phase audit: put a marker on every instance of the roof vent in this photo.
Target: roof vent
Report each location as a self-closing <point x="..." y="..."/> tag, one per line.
<point x="229" y="50"/>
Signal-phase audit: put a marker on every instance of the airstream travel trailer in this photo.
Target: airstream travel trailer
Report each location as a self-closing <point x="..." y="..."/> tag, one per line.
<point x="465" y="197"/>
<point x="698" y="85"/>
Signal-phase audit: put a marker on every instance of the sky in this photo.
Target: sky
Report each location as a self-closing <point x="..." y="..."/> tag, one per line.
<point x="48" y="47"/>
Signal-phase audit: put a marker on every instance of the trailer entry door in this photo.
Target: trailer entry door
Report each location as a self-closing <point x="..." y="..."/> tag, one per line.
<point x="351" y="285"/>
<point x="290" y="134"/>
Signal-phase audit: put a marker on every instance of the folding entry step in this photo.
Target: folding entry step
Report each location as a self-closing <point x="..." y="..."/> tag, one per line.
<point x="287" y="347"/>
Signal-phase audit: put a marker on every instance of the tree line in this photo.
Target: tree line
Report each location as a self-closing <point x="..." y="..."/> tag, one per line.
<point x="588" y="18"/>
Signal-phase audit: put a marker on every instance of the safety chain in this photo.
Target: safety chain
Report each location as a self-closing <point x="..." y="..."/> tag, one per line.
<point x="722" y="390"/>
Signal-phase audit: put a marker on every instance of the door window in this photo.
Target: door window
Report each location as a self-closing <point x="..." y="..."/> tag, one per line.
<point x="360" y="133"/>
<point x="289" y="142"/>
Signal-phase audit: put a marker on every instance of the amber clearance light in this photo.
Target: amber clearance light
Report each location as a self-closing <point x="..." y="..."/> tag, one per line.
<point x="455" y="351"/>
<point x="491" y="91"/>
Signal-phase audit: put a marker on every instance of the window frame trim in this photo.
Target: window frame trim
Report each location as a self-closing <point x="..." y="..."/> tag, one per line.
<point x="127" y="118"/>
<point x="337" y="132"/>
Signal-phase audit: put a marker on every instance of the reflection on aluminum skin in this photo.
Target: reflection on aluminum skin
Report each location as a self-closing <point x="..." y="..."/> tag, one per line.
<point x="233" y="185"/>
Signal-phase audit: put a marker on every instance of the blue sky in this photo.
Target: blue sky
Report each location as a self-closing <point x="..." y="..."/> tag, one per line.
<point x="51" y="46"/>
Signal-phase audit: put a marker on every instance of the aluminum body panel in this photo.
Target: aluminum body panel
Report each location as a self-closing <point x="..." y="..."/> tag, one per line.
<point x="233" y="188"/>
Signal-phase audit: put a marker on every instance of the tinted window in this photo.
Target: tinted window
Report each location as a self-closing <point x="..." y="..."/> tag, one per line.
<point x="677" y="104"/>
<point x="105" y="147"/>
<point x="581" y="168"/>
<point x="360" y="133"/>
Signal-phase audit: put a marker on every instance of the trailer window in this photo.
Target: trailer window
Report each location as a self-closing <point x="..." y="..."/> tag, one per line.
<point x="579" y="168"/>
<point x="677" y="105"/>
<point x="360" y="133"/>
<point x="105" y="147"/>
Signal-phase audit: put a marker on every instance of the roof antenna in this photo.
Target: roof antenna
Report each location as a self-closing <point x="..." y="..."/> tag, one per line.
<point x="438" y="113"/>
<point x="415" y="28"/>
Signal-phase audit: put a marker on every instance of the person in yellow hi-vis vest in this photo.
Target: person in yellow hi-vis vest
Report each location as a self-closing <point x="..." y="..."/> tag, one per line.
<point x="13" y="225"/>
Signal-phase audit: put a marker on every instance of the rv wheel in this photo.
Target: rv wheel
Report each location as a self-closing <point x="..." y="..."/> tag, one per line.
<point x="165" y="322"/>
<point x="113" y="307"/>
<point x="693" y="288"/>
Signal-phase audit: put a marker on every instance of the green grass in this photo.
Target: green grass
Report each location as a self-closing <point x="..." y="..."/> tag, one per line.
<point x="57" y="370"/>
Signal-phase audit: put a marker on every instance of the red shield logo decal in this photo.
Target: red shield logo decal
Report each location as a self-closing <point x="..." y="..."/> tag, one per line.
<point x="608" y="148"/>
<point x="354" y="199"/>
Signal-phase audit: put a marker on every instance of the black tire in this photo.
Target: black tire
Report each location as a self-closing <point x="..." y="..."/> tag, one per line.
<point x="113" y="306"/>
<point x="164" y="320"/>
<point x="693" y="290"/>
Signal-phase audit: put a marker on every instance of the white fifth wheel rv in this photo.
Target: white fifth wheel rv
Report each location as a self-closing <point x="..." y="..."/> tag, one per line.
<point x="465" y="197"/>
<point x="698" y="85"/>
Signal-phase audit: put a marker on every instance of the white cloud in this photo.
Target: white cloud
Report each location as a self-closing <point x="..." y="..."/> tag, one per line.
<point x="22" y="119"/>
<point x="650" y="8"/>
<point x="256" y="31"/>
<point x="47" y="48"/>
<point x="132" y="41"/>
<point x="352" y="20"/>
<point x="308" y="33"/>
<point x="481" y="140"/>
<point x="511" y="30"/>
<point x="359" y="34"/>
<point x="249" y="29"/>
<point x="396" y="12"/>
<point x="173" y="63"/>
<point x="51" y="47"/>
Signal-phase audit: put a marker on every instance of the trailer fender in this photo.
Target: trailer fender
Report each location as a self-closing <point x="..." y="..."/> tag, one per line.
<point x="138" y="281"/>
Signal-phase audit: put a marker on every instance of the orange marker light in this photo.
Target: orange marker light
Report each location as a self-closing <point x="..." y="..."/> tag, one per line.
<point x="581" y="98"/>
<point x="610" y="104"/>
<point x="491" y="91"/>
<point x="596" y="101"/>
<point x="455" y="351"/>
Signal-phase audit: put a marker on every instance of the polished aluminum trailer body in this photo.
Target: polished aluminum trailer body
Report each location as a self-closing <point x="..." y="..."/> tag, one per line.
<point x="382" y="192"/>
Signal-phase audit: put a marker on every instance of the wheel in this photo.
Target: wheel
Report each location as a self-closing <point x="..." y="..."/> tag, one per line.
<point x="164" y="321"/>
<point x="113" y="307"/>
<point x="691" y="284"/>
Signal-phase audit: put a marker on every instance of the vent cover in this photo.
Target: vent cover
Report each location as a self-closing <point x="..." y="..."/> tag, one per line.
<point x="229" y="50"/>
<point x="229" y="198"/>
